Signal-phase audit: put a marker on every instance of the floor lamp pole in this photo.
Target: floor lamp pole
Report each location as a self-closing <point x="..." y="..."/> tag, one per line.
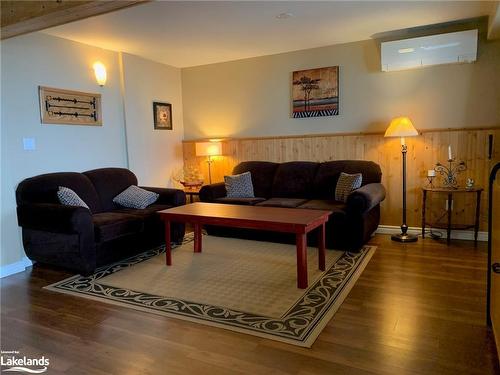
<point x="404" y="236"/>
<point x="209" y="161"/>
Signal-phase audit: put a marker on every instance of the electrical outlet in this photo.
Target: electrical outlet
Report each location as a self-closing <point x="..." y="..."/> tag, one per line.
<point x="446" y="205"/>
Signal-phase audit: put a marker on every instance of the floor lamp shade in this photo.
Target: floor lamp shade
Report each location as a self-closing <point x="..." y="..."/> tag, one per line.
<point x="402" y="127"/>
<point x="208" y="149"/>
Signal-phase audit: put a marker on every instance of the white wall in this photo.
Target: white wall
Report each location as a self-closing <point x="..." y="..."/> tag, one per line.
<point x="38" y="59"/>
<point x="251" y="97"/>
<point x="154" y="155"/>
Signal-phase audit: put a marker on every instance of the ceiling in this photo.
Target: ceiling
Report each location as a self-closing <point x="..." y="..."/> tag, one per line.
<point x="186" y="34"/>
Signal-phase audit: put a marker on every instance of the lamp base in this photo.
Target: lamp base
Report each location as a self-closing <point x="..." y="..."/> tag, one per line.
<point x="404" y="237"/>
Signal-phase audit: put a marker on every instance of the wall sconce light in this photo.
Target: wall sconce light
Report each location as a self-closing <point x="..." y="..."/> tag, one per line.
<point x="100" y="73"/>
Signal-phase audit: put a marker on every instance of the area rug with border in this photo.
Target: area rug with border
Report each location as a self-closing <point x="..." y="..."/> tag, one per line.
<point x="240" y="285"/>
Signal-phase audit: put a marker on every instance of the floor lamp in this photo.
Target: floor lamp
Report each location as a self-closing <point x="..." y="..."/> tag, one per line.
<point x="209" y="149"/>
<point x="402" y="127"/>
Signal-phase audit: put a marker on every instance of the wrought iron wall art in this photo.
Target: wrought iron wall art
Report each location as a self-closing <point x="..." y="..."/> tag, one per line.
<point x="59" y="106"/>
<point x="450" y="172"/>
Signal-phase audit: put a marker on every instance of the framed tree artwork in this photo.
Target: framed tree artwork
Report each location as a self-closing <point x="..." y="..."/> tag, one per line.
<point x="315" y="92"/>
<point x="162" y="113"/>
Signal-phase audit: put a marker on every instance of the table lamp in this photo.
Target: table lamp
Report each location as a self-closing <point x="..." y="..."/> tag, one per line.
<point x="402" y="127"/>
<point x="209" y="149"/>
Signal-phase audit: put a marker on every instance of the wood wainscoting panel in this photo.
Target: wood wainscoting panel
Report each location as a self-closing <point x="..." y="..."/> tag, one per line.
<point x="469" y="145"/>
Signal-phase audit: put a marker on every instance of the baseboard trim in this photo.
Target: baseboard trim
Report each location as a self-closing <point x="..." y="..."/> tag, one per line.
<point x="455" y="234"/>
<point x="16" y="267"/>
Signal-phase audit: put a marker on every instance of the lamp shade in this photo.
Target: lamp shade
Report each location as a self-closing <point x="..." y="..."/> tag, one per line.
<point x="208" y="148"/>
<point x="401" y="127"/>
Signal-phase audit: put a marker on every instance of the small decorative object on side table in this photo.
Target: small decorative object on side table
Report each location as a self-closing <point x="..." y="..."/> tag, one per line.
<point x="450" y="191"/>
<point x="431" y="174"/>
<point x="469" y="184"/>
<point x="191" y="179"/>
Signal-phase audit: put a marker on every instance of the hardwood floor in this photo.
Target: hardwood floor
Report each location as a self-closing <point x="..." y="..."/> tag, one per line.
<point x="417" y="309"/>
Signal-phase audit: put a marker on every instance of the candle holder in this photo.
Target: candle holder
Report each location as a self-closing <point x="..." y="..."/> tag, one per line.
<point x="450" y="172"/>
<point x="430" y="185"/>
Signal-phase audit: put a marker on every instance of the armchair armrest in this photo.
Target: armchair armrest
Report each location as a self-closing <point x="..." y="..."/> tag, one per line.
<point x="365" y="198"/>
<point x="57" y="218"/>
<point x="175" y="197"/>
<point x="209" y="193"/>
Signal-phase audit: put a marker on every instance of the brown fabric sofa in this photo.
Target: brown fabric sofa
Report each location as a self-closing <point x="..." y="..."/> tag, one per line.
<point x="80" y="239"/>
<point x="303" y="184"/>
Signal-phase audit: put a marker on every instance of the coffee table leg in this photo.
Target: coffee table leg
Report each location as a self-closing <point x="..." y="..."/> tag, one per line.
<point x="168" y="245"/>
<point x="301" y="261"/>
<point x="321" y="247"/>
<point x="197" y="238"/>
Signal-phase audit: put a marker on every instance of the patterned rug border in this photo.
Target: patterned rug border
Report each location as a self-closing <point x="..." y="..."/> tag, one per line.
<point x="300" y="325"/>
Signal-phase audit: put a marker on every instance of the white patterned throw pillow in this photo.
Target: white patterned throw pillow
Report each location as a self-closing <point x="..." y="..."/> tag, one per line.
<point x="135" y="197"/>
<point x="346" y="184"/>
<point x="69" y="198"/>
<point x="239" y="186"/>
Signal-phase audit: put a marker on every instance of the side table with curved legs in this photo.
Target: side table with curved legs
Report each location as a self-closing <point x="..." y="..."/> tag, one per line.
<point x="449" y="225"/>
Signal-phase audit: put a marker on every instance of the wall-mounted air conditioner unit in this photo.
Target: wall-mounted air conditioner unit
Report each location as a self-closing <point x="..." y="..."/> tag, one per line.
<point x="430" y="50"/>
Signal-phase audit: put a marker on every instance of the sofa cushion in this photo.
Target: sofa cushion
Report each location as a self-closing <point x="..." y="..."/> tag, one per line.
<point x="148" y="215"/>
<point x="135" y="197"/>
<point x="43" y="189"/>
<point x="282" y="202"/>
<point x="241" y="201"/>
<point x="294" y="179"/>
<point x="109" y="182"/>
<point x="239" y="185"/>
<point x="324" y="204"/>
<point x="346" y="184"/>
<point x="262" y="176"/>
<point x="328" y="173"/>
<point x="69" y="198"/>
<point x="111" y="225"/>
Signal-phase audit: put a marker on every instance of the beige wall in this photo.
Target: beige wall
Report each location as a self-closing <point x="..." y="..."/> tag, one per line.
<point x="251" y="97"/>
<point x="154" y="155"/>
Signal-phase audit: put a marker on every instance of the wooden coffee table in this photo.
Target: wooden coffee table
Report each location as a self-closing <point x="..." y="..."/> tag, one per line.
<point x="288" y="220"/>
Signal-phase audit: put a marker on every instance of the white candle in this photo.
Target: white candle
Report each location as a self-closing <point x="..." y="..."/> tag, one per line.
<point x="449" y="153"/>
<point x="431" y="173"/>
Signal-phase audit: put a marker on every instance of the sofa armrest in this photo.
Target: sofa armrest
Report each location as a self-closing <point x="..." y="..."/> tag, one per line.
<point x="56" y="218"/>
<point x="365" y="198"/>
<point x="209" y="193"/>
<point x="174" y="197"/>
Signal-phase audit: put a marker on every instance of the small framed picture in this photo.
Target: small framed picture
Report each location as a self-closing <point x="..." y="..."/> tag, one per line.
<point x="162" y="113"/>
